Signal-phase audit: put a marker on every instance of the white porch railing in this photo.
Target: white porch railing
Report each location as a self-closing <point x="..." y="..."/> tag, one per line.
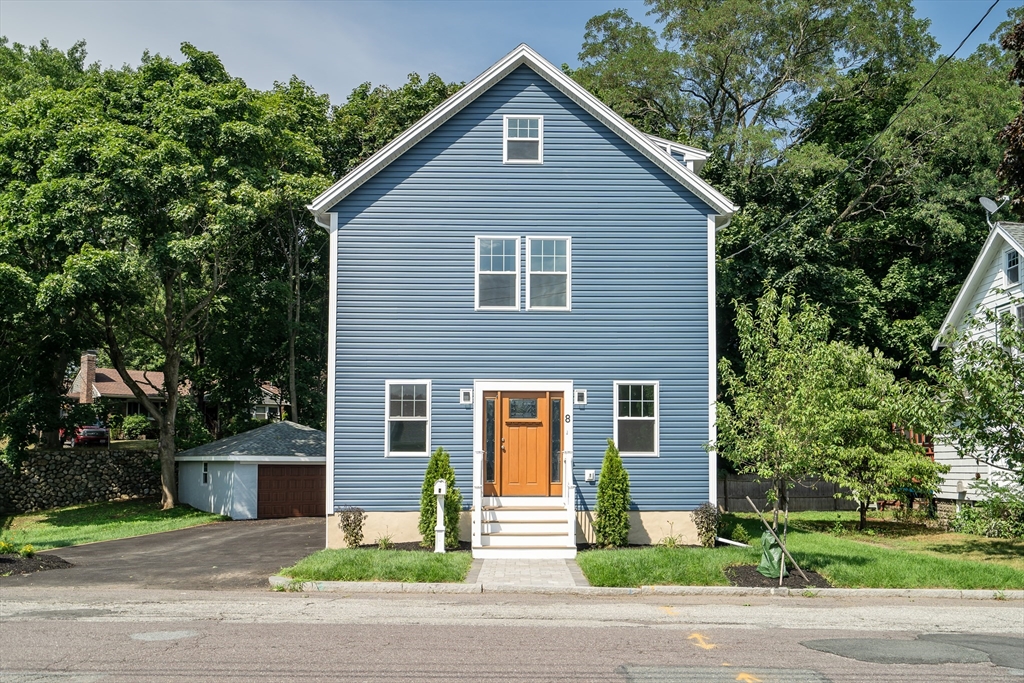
<point x="479" y="466"/>
<point x="569" y="494"/>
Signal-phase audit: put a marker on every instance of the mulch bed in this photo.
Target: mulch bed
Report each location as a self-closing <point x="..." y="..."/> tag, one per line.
<point x="464" y="546"/>
<point x="746" y="575"/>
<point x="16" y="564"/>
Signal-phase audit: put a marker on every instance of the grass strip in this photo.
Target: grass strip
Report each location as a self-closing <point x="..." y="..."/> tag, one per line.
<point x="62" y="527"/>
<point x="371" y="564"/>
<point x="657" y="566"/>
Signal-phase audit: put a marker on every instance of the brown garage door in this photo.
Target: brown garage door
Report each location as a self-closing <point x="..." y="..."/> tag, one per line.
<point x="291" y="491"/>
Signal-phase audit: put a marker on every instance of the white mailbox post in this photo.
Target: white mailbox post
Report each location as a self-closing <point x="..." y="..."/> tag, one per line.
<point x="440" y="490"/>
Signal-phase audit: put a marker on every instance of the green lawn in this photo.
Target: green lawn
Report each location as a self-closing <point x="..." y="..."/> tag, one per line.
<point x="369" y="564"/>
<point x="890" y="558"/>
<point x="98" y="522"/>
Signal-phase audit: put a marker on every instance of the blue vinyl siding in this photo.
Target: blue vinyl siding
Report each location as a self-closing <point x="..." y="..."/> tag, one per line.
<point x="406" y="293"/>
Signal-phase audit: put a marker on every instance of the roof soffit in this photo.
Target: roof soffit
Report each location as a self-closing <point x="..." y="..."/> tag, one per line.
<point x="522" y="55"/>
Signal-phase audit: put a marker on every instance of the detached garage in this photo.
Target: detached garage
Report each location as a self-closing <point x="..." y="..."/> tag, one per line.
<point x="277" y="470"/>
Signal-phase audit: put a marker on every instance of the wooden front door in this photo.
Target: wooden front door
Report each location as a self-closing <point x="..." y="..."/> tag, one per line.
<point x="523" y="442"/>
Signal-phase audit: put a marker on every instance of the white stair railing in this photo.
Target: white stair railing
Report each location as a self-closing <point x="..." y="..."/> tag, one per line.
<point x="479" y="465"/>
<point x="569" y="493"/>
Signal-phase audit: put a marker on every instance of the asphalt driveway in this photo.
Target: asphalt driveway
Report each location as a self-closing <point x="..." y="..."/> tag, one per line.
<point x="217" y="556"/>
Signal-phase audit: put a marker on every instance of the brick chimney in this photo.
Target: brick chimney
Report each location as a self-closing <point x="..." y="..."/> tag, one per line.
<point x="88" y="377"/>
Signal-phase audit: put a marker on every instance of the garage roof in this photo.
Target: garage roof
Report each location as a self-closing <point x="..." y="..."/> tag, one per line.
<point x="278" y="441"/>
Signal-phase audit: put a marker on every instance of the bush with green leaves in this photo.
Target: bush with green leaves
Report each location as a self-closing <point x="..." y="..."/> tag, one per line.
<point x="740" y="534"/>
<point x="611" y="520"/>
<point x="706" y="518"/>
<point x="7" y="548"/>
<point x="440" y="467"/>
<point x="351" y="519"/>
<point x="27" y="550"/>
<point x="1000" y="514"/>
<point x="133" y="426"/>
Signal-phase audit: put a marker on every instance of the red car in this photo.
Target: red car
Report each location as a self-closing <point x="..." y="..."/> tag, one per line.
<point x="89" y="435"/>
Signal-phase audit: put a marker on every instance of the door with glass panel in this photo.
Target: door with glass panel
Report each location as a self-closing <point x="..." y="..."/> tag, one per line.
<point x="523" y="443"/>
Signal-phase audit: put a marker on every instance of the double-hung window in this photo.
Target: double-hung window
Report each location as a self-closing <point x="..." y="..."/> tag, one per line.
<point x="524" y="140"/>
<point x="547" y="273"/>
<point x="636" y="418"/>
<point x="497" y="273"/>
<point x="408" y="417"/>
<point x="1012" y="267"/>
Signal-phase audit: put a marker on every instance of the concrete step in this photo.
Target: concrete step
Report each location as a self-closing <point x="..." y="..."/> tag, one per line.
<point x="523" y="515"/>
<point x="524" y="501"/>
<point x="524" y="552"/>
<point x="524" y="526"/>
<point x="514" y="540"/>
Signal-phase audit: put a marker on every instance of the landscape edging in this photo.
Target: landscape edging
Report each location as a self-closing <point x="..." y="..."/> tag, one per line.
<point x="398" y="587"/>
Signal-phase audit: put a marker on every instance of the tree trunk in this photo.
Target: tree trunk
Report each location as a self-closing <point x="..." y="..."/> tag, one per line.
<point x="294" y="308"/>
<point x="168" y="483"/>
<point x="863" y="524"/>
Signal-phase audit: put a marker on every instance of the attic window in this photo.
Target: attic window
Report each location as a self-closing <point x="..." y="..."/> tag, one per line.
<point x="1012" y="267"/>
<point x="524" y="140"/>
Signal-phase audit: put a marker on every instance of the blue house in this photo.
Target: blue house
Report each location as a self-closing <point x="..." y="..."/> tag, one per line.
<point x="517" y="278"/>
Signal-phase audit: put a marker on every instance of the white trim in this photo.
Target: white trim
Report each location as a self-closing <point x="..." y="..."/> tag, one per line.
<point x="568" y="273"/>
<point x="387" y="418"/>
<point x="206" y="473"/>
<point x="476" y="272"/>
<point x="241" y="457"/>
<point x="576" y="395"/>
<point x="657" y="417"/>
<point x="539" y="139"/>
<point x="712" y="362"/>
<point x="956" y="311"/>
<point x="523" y="54"/>
<point x="332" y="357"/>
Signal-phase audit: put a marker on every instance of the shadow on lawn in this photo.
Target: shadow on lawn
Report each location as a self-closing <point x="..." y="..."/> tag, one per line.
<point x="139" y="510"/>
<point x="998" y="548"/>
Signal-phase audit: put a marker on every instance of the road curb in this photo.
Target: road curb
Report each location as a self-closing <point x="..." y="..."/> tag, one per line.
<point x="283" y="582"/>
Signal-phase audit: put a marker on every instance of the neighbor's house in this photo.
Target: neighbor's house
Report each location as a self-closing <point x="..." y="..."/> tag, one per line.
<point x="517" y="278"/>
<point x="93" y="384"/>
<point x="994" y="284"/>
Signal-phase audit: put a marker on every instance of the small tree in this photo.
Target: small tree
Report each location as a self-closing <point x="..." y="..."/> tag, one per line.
<point x="981" y="389"/>
<point x="765" y="428"/>
<point x="440" y="467"/>
<point x="862" y="412"/>
<point x="611" y="522"/>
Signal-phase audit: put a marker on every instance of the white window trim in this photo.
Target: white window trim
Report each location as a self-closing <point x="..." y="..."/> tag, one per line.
<point x="387" y="418"/>
<point x="568" y="273"/>
<point x="657" y="417"/>
<point x="206" y="474"/>
<point x="1006" y="267"/>
<point x="476" y="272"/>
<point x="505" y="138"/>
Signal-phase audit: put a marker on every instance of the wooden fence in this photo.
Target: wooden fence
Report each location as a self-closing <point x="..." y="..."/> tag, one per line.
<point x="818" y="495"/>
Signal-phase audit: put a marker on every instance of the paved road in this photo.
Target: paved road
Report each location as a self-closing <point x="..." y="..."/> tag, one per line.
<point x="131" y="635"/>
<point x="226" y="555"/>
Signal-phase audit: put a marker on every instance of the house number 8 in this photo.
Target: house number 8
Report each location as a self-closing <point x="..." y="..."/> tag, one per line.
<point x="567" y="418"/>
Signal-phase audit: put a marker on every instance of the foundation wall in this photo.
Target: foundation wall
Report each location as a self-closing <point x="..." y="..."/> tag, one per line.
<point x="645" y="528"/>
<point x="402" y="527"/>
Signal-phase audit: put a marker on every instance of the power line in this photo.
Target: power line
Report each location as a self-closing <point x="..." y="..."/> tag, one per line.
<point x="789" y="219"/>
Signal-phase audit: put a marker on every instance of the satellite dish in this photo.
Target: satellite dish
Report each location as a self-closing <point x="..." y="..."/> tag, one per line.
<point x="988" y="204"/>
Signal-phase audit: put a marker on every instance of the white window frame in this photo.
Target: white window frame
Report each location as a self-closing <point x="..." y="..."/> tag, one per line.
<point x="387" y="418"/>
<point x="505" y="139"/>
<point x="206" y="474"/>
<point x="657" y="417"/>
<point x="568" y="272"/>
<point x="477" y="273"/>
<point x="1006" y="267"/>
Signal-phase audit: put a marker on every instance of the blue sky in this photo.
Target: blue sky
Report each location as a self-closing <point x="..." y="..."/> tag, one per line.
<point x="336" y="45"/>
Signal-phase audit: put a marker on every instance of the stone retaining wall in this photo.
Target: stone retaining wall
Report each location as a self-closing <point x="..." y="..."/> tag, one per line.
<point x="49" y="479"/>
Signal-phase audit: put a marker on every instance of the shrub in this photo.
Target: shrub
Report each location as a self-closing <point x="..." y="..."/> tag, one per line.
<point x="440" y="467"/>
<point x="351" y="519"/>
<point x="133" y="426"/>
<point x="7" y="548"/>
<point x="706" y="518"/>
<point x="1000" y="514"/>
<point x="611" y="520"/>
<point x="27" y="550"/>
<point x="740" y="534"/>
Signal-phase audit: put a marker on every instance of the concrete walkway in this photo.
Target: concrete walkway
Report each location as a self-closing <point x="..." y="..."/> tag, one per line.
<point x="523" y="572"/>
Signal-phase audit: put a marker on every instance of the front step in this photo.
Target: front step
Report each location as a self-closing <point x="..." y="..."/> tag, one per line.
<point x="524" y="527"/>
<point x="524" y="552"/>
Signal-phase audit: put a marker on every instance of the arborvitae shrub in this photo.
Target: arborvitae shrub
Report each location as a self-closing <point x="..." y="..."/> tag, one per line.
<point x="611" y="522"/>
<point x="440" y="467"/>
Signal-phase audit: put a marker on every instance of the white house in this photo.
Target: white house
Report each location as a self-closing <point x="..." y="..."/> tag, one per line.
<point x="994" y="284"/>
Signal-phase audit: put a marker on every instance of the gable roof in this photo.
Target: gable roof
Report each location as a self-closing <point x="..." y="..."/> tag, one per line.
<point x="1013" y="234"/>
<point x="276" y="439"/>
<point x="108" y="384"/>
<point x="522" y="55"/>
